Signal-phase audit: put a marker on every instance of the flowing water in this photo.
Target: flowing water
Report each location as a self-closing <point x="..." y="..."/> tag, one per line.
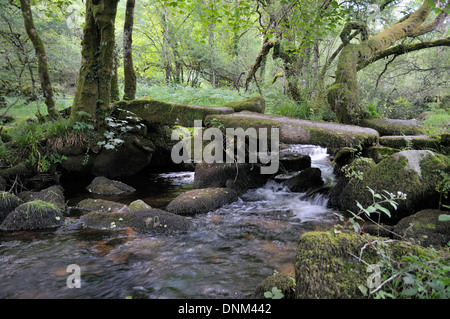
<point x="229" y="251"/>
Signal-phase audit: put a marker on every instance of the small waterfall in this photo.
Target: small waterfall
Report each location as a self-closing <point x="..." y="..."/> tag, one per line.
<point x="319" y="158"/>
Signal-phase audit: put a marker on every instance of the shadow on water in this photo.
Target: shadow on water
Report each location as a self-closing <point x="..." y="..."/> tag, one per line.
<point x="229" y="251"/>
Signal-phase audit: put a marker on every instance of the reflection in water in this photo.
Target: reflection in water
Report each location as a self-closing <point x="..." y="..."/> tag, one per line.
<point x="229" y="251"/>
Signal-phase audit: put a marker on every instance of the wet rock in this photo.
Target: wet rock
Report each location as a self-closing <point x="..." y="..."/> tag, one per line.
<point x="305" y="180"/>
<point x="106" y="186"/>
<point x="282" y="282"/>
<point x="143" y="221"/>
<point x="240" y="177"/>
<point x="425" y="228"/>
<point x="101" y="205"/>
<point x="34" y="215"/>
<point x="294" y="162"/>
<point x="8" y="202"/>
<point x="198" y="201"/>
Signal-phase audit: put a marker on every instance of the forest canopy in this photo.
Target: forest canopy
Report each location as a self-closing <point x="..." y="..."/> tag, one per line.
<point x="216" y="51"/>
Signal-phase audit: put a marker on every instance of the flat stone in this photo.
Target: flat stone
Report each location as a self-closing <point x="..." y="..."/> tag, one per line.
<point x="295" y="131"/>
<point x="166" y="113"/>
<point x="394" y="126"/>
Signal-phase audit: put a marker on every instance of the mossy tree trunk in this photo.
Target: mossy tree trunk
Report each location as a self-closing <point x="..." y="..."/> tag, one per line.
<point x="343" y="94"/>
<point x="129" y="72"/>
<point x="93" y="94"/>
<point x="41" y="55"/>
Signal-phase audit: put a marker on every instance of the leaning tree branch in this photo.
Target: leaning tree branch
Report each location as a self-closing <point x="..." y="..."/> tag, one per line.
<point x="255" y="66"/>
<point x="402" y="49"/>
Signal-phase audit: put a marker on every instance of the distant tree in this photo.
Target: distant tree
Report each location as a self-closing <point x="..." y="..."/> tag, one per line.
<point x="41" y="55"/>
<point x="129" y="72"/>
<point x="343" y="95"/>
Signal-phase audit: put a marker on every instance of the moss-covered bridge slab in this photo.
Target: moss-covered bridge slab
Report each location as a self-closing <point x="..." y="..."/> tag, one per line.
<point x="295" y="131"/>
<point x="165" y="113"/>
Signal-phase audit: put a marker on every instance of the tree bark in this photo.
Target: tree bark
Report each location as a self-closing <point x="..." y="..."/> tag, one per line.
<point x="41" y="55"/>
<point x="343" y="94"/>
<point x="129" y="72"/>
<point x="93" y="95"/>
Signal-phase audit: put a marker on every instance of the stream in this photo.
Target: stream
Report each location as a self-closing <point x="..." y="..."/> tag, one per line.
<point x="226" y="255"/>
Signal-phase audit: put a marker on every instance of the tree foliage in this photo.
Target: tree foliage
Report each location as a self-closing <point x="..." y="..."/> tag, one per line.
<point x="291" y="48"/>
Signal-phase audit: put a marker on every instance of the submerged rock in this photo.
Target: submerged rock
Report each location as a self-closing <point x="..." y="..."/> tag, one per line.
<point x="305" y="180"/>
<point x="106" y="186"/>
<point x="34" y="215"/>
<point x="199" y="201"/>
<point x="240" y="177"/>
<point x="143" y="221"/>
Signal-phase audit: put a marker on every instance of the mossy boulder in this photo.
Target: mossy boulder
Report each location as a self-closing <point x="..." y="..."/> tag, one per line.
<point x="425" y="228"/>
<point x="53" y="195"/>
<point x="240" y="176"/>
<point x="8" y="202"/>
<point x="417" y="142"/>
<point x="394" y="126"/>
<point x="34" y="215"/>
<point x="378" y="153"/>
<point x="308" y="178"/>
<point x="326" y="266"/>
<point x="100" y="205"/>
<point x="105" y="186"/>
<point x="154" y="221"/>
<point x="138" y="205"/>
<point x="200" y="201"/>
<point x="254" y="104"/>
<point x="294" y="131"/>
<point x="415" y="173"/>
<point x="126" y="158"/>
<point x="166" y="113"/>
<point x="282" y="282"/>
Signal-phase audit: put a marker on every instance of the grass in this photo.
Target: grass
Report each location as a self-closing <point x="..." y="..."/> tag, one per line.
<point x="22" y="108"/>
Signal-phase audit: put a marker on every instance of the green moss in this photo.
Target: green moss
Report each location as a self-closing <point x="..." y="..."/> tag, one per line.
<point x="329" y="265"/>
<point x="254" y="104"/>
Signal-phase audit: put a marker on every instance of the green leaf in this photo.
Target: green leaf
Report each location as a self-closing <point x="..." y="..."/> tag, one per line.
<point x="444" y="218"/>
<point x="383" y="209"/>
<point x="363" y="289"/>
<point x="268" y="295"/>
<point x="409" y="292"/>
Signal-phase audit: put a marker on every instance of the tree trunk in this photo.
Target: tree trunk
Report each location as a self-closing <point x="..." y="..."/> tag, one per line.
<point x="343" y="94"/>
<point x="42" y="58"/>
<point x="93" y="94"/>
<point x="129" y="72"/>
